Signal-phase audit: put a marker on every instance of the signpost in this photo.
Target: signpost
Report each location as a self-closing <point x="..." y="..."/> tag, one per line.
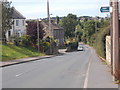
<point x="105" y="9"/>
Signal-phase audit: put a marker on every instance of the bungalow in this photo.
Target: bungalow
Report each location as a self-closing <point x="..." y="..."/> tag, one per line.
<point x="18" y="28"/>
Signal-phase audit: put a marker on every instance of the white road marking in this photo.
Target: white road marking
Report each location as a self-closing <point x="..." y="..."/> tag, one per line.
<point x="18" y="74"/>
<point x="87" y="74"/>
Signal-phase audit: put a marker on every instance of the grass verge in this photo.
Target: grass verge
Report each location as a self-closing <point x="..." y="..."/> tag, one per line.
<point x="12" y="52"/>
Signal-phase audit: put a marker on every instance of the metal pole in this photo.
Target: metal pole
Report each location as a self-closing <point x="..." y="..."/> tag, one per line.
<point x="38" y="34"/>
<point x="115" y="40"/>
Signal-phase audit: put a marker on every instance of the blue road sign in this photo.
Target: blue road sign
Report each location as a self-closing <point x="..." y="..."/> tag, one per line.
<point x="105" y="9"/>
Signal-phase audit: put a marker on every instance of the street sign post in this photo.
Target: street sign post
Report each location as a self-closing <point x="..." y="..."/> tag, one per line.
<point x="105" y="9"/>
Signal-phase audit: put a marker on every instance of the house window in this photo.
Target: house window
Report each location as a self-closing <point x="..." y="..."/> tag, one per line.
<point x="9" y="33"/>
<point x="23" y="22"/>
<point x="17" y="22"/>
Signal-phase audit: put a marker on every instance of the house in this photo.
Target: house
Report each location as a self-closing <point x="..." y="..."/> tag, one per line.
<point x="58" y="34"/>
<point x="55" y="31"/>
<point x="18" y="27"/>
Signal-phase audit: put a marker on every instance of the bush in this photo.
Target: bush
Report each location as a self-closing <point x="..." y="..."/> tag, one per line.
<point x="63" y="47"/>
<point x="46" y="45"/>
<point x="72" y="46"/>
<point x="25" y="40"/>
<point x="17" y="41"/>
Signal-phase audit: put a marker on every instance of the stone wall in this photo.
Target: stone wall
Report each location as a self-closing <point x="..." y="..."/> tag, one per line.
<point x="108" y="50"/>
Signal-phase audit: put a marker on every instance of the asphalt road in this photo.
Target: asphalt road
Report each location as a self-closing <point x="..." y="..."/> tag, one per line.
<point x="64" y="71"/>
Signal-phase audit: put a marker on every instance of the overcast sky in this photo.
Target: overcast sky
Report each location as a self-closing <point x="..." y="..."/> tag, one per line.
<point x="38" y="8"/>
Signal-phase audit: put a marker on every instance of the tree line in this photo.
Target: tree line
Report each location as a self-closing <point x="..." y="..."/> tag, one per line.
<point x="90" y="30"/>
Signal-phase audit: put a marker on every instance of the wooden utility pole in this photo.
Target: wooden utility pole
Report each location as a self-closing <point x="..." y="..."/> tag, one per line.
<point x="49" y="27"/>
<point x="115" y="39"/>
<point x="111" y="34"/>
<point x="38" y="35"/>
<point x="0" y="21"/>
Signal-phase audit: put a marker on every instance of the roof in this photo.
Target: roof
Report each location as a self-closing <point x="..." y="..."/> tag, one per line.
<point x="17" y="15"/>
<point x="53" y="26"/>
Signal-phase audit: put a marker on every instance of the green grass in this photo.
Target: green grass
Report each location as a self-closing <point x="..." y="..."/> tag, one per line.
<point x="12" y="52"/>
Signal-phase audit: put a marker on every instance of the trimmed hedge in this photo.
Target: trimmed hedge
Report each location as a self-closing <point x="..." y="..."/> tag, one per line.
<point x="100" y="44"/>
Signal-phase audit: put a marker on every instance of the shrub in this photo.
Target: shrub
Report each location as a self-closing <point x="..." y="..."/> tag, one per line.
<point x="17" y="41"/>
<point x="46" y="45"/>
<point x="72" y="46"/>
<point x="25" y="40"/>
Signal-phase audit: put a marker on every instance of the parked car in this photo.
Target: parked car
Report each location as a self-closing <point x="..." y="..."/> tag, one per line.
<point x="80" y="48"/>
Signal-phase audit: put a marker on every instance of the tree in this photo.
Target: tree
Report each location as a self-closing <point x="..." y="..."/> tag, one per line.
<point x="78" y="32"/>
<point x="32" y="31"/>
<point x="69" y="23"/>
<point x="88" y="30"/>
<point x="6" y="18"/>
<point x="57" y="18"/>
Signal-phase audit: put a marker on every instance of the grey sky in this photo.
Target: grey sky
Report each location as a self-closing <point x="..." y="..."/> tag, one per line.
<point x="38" y="8"/>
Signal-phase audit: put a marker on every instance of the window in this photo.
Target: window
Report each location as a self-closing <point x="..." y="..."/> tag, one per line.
<point x="9" y="33"/>
<point x="23" y="22"/>
<point x="17" y="22"/>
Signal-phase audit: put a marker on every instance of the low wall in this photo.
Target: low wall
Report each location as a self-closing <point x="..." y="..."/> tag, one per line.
<point x="108" y="50"/>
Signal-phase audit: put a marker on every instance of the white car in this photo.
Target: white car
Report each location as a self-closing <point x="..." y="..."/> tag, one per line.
<point x="80" y="48"/>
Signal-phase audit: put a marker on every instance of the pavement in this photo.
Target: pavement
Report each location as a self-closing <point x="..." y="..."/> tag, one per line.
<point x="99" y="75"/>
<point x="23" y="60"/>
<point x="70" y="70"/>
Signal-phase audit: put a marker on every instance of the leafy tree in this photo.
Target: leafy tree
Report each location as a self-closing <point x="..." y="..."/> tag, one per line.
<point x="69" y="23"/>
<point x="6" y="18"/>
<point x="32" y="31"/>
<point x="57" y="18"/>
<point x="89" y="30"/>
<point x="78" y="32"/>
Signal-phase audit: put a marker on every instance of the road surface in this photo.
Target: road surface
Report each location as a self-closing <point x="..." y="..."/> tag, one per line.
<point x="63" y="71"/>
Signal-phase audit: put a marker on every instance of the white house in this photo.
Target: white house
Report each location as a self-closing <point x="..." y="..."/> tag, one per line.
<point x="18" y="28"/>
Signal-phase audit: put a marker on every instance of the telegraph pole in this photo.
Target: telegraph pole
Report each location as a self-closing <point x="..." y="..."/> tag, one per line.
<point x="115" y="39"/>
<point x="38" y="35"/>
<point x="111" y="34"/>
<point x="49" y="28"/>
<point x="1" y="21"/>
